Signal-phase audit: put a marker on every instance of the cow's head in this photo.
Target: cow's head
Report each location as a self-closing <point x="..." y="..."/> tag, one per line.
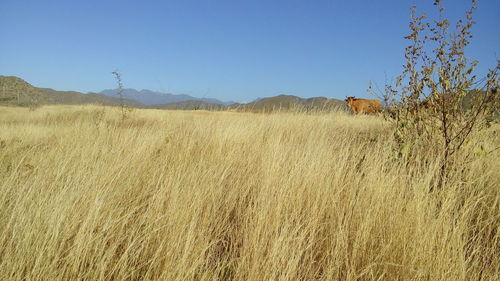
<point x="349" y="99"/>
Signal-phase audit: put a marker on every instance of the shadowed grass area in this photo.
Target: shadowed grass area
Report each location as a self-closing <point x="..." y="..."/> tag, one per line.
<point x="196" y="195"/>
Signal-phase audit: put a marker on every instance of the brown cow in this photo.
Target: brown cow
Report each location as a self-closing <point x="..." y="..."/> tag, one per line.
<point x="363" y="106"/>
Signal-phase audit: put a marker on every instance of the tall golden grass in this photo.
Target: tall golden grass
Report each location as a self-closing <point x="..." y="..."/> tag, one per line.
<point x="173" y="195"/>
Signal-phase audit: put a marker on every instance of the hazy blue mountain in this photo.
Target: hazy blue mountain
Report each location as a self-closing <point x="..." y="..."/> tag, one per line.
<point x="149" y="97"/>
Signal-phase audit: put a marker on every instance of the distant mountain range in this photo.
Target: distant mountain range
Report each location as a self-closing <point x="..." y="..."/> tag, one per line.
<point x="149" y="97"/>
<point x="16" y="91"/>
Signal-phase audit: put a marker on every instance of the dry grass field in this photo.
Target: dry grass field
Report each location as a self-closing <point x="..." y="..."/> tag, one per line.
<point x="195" y="195"/>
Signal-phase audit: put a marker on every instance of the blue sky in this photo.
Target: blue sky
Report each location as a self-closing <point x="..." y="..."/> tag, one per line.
<point x="227" y="49"/>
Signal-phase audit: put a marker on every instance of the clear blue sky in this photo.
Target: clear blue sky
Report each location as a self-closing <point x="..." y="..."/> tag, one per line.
<point x="227" y="49"/>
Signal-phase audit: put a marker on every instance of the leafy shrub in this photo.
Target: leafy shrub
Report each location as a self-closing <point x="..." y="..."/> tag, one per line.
<point x="438" y="101"/>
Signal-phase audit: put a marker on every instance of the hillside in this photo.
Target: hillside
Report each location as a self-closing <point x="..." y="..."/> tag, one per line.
<point x="287" y="102"/>
<point x="14" y="90"/>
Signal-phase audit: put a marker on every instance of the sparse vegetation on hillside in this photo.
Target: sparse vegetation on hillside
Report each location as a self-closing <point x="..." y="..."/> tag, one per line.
<point x="290" y="102"/>
<point x="174" y="195"/>
<point x="16" y="91"/>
